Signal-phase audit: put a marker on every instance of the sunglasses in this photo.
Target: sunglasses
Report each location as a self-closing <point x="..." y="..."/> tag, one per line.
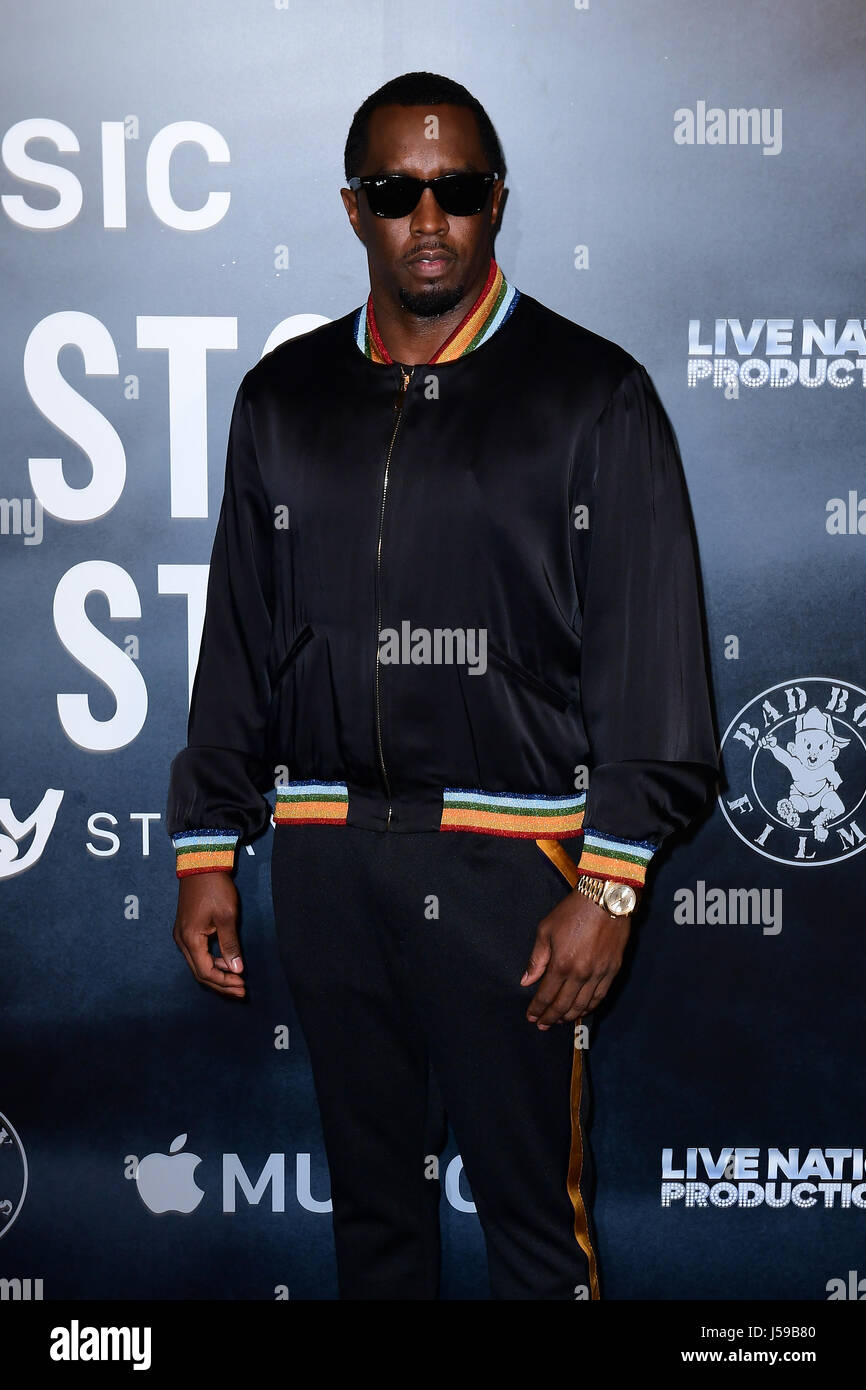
<point x="396" y="195"/>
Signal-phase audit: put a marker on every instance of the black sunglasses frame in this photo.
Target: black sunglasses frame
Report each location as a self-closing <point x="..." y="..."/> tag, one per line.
<point x="438" y="185"/>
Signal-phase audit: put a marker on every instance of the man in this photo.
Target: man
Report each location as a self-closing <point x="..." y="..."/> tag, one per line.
<point x="453" y="571"/>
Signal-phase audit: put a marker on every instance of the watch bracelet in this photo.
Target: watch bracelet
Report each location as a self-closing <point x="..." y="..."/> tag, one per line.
<point x="586" y="884"/>
<point x="593" y="888"/>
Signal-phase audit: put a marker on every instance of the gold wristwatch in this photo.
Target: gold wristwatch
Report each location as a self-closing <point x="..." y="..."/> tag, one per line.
<point x="618" y="899"/>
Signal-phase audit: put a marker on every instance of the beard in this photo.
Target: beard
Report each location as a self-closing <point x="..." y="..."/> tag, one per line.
<point x="433" y="302"/>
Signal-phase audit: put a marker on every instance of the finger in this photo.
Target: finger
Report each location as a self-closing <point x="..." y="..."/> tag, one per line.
<point x="217" y="970"/>
<point x="574" y="1013"/>
<point x="578" y="1013"/>
<point x="562" y="1001"/>
<point x="201" y="963"/>
<point x="592" y="993"/>
<point x="538" y="959"/>
<point x="599" y="995"/>
<point x="230" y="947"/>
<point x="546" y="993"/>
<point x="223" y="981"/>
<point x="226" y="969"/>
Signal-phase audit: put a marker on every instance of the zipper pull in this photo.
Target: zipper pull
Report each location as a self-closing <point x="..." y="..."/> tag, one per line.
<point x="404" y="387"/>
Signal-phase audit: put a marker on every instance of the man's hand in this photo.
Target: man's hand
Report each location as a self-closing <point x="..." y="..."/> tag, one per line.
<point x="207" y="905"/>
<point x="578" y="951"/>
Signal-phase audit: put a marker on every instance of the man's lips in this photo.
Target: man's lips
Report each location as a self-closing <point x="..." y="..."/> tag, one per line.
<point x="429" y="263"/>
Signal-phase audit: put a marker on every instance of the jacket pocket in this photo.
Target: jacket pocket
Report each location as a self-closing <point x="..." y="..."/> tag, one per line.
<point x="547" y="692"/>
<point x="274" y="730"/>
<point x="296" y="647"/>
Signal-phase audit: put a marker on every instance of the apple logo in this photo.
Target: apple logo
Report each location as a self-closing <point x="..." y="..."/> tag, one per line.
<point x="165" y="1181"/>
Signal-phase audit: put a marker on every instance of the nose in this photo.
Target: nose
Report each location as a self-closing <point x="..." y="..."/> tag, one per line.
<point x="428" y="217"/>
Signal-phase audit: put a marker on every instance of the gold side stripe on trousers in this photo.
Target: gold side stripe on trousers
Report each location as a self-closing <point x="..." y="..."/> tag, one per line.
<point x="575" y="1168"/>
<point x="564" y="862"/>
<point x="567" y="867"/>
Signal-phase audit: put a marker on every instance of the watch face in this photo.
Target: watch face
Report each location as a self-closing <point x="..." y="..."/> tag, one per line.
<point x="619" y="898"/>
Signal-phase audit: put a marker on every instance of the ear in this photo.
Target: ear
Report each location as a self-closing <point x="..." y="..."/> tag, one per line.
<point x="834" y="752"/>
<point x="350" y="203"/>
<point x="792" y="749"/>
<point x="497" y="203"/>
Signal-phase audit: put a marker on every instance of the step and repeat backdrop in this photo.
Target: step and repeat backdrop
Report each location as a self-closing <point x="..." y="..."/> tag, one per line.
<point x="683" y="178"/>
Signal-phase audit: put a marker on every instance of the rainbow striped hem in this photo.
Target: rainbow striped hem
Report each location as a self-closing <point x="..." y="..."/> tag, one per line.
<point x="606" y="856"/>
<point x="505" y="813"/>
<point x="463" y="808"/>
<point x="311" y="803"/>
<point x="493" y="306"/>
<point x="203" y="851"/>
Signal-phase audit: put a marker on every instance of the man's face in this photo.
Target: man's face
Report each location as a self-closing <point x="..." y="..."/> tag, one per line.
<point x="427" y="262"/>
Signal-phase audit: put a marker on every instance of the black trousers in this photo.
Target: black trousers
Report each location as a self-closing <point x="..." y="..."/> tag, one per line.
<point x="403" y="954"/>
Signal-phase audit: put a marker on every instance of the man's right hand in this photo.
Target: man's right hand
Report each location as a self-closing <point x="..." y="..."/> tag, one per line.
<point x="207" y="905"/>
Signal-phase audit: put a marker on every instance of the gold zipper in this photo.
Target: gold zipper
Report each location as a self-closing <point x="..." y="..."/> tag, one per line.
<point x="398" y="415"/>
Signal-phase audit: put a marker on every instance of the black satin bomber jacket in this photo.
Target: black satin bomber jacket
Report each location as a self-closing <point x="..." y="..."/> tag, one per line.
<point x="530" y="490"/>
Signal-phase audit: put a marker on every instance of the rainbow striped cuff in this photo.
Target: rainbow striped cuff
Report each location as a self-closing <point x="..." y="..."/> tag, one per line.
<point x="311" y="803"/>
<point x="608" y="856"/>
<point x="505" y="813"/>
<point x="203" y="851"/>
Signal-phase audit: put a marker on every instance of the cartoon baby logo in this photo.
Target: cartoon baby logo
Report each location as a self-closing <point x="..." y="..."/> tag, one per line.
<point x="795" y="762"/>
<point x="809" y="758"/>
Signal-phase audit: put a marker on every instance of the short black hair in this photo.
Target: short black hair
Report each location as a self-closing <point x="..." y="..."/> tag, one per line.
<point x="419" y="89"/>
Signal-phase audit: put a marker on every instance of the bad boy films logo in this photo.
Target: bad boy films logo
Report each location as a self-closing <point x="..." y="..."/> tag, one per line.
<point x="13" y="1175"/>
<point x="795" y="758"/>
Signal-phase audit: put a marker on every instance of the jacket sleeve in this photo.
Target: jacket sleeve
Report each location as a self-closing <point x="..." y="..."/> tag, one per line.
<point x="215" y="798"/>
<point x="643" y="672"/>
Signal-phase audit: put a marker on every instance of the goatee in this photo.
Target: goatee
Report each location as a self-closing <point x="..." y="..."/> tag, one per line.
<point x="435" y="301"/>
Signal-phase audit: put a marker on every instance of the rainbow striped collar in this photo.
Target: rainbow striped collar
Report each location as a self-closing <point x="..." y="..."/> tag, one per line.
<point x="493" y="306"/>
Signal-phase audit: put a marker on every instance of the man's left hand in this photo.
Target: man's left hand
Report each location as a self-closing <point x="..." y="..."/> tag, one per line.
<point x="578" y="950"/>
